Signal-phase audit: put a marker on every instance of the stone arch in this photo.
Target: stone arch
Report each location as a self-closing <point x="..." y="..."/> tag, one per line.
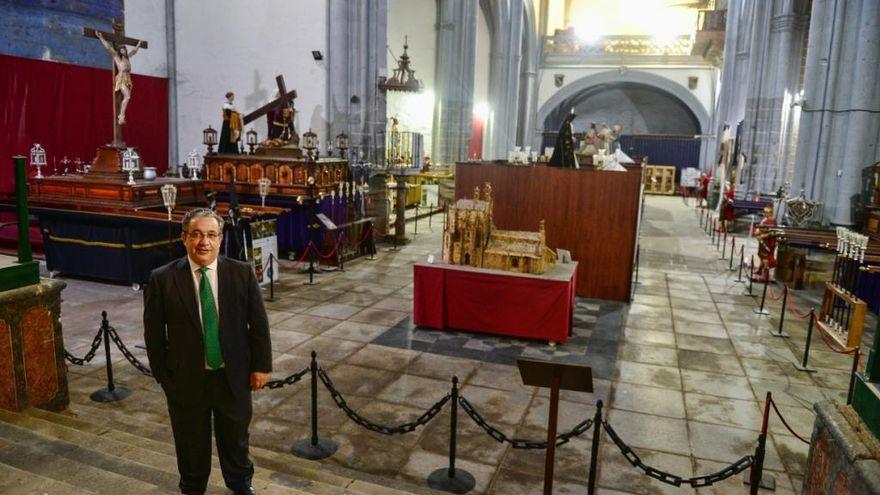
<point x="631" y="76"/>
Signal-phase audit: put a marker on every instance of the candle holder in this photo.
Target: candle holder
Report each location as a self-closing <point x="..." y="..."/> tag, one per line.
<point x="130" y="163"/>
<point x="310" y="144"/>
<point x="194" y="164"/>
<point x="209" y="139"/>
<point x="38" y="159"/>
<point x="251" y="137"/>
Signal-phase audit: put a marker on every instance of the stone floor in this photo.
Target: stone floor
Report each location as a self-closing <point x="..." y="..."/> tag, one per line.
<point x="683" y="370"/>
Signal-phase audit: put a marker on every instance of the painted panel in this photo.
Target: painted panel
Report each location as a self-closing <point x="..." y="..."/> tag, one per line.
<point x="8" y="399"/>
<point x="40" y="371"/>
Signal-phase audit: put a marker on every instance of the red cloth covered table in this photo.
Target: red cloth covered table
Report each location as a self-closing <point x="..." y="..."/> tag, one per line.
<point x="497" y="302"/>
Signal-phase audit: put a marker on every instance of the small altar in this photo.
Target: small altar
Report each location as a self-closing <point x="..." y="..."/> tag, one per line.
<point x="499" y="302"/>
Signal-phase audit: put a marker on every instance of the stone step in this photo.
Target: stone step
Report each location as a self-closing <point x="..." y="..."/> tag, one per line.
<point x="68" y="463"/>
<point x="135" y="449"/>
<point x="14" y="481"/>
<point x="282" y="462"/>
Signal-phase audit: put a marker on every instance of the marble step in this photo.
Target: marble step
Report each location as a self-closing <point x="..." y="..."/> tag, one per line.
<point x="355" y="482"/>
<point x="135" y="449"/>
<point x="61" y="461"/>
<point x="14" y="481"/>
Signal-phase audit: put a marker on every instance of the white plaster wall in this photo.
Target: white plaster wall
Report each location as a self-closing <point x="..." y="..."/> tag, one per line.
<point x="145" y="20"/>
<point x="414" y="19"/>
<point x="705" y="92"/>
<point x="229" y="45"/>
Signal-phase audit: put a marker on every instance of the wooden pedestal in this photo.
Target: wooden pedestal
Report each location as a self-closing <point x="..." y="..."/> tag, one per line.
<point x="31" y="348"/>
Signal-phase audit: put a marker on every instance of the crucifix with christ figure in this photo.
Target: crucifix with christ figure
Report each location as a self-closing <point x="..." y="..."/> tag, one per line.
<point x="116" y="43"/>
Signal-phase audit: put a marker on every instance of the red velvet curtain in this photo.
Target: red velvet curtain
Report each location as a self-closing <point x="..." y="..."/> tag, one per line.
<point x="68" y="110"/>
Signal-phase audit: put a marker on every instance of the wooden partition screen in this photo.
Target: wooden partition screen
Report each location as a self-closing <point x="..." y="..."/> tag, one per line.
<point x="594" y="214"/>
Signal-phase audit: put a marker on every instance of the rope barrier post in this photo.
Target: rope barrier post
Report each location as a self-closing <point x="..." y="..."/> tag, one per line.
<point x="751" y="276"/>
<point x="416" y="219"/>
<point x="756" y="477"/>
<point x="724" y="247"/>
<point x="452" y="479"/>
<point x="762" y="311"/>
<point x="804" y="366"/>
<point x="594" y="452"/>
<point x="718" y="234"/>
<point x="315" y="447"/>
<point x="712" y="234"/>
<point x="732" y="250"/>
<point x="852" y="378"/>
<point x="779" y="332"/>
<point x="742" y="260"/>
<point x="113" y="392"/>
<point x="311" y="270"/>
<point x="271" y="272"/>
<point x="431" y="212"/>
<point x="341" y="250"/>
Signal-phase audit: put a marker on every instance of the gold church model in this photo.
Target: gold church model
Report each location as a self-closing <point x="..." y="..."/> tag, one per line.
<point x="470" y="238"/>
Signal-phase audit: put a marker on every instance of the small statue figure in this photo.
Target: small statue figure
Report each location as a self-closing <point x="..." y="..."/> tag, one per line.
<point x="613" y="137"/>
<point x="766" y="236"/>
<point x="122" y="61"/>
<point x="727" y="209"/>
<point x="563" y="153"/>
<point x="703" y="183"/>
<point x="230" y="131"/>
<point x="588" y="145"/>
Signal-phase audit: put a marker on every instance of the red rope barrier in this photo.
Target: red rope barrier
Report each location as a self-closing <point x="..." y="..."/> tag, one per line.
<point x="833" y="345"/>
<point x="794" y="311"/>
<point x="295" y="263"/>
<point x="332" y="252"/>
<point x="367" y="233"/>
<point x="773" y="294"/>
<point x="784" y="422"/>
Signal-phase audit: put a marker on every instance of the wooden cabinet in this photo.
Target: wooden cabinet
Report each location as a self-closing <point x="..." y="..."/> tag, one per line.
<point x="659" y="179"/>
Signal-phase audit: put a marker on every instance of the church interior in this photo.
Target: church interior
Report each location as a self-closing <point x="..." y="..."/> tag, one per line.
<point x="499" y="246"/>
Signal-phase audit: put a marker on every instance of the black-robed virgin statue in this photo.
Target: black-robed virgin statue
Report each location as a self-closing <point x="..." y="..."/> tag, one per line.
<point x="563" y="153"/>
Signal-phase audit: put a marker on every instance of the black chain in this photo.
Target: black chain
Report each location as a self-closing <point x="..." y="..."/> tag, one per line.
<point x="289" y="380"/>
<point x="671" y="479"/>
<point x="128" y="355"/>
<point x="385" y="430"/>
<point x="519" y="443"/>
<point x="96" y="343"/>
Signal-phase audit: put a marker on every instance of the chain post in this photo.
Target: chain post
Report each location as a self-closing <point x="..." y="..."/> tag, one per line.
<point x="452" y="479"/>
<point x="751" y="274"/>
<point x="724" y="246"/>
<point x="712" y="233"/>
<point x="732" y="251"/>
<point x="804" y="366"/>
<point x="112" y="393"/>
<point x="416" y="226"/>
<point x="340" y="253"/>
<point x="852" y="378"/>
<point x="779" y="332"/>
<point x="314" y="447"/>
<point x="742" y="261"/>
<point x="312" y="256"/>
<point x="594" y="453"/>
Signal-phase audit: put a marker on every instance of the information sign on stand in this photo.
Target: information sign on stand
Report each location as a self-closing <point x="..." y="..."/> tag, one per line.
<point x="556" y="376"/>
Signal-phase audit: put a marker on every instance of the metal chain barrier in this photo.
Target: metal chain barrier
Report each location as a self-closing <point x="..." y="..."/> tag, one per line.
<point x="671" y="479"/>
<point x="519" y="443"/>
<point x="128" y="355"/>
<point x="289" y="380"/>
<point x="422" y="420"/>
<point x="96" y="343"/>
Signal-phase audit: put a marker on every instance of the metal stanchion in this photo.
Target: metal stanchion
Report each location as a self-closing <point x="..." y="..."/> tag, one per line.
<point x="779" y="332"/>
<point x="594" y="453"/>
<point x="340" y="251"/>
<point x="113" y="392"/>
<point x="756" y="477"/>
<point x="724" y="246"/>
<point x="271" y="272"/>
<point x="763" y="311"/>
<point x="416" y="226"/>
<point x="314" y="447"/>
<point x="751" y="275"/>
<point x="804" y="366"/>
<point x="742" y="259"/>
<point x="732" y="251"/>
<point x="451" y="479"/>
<point x="852" y="378"/>
<point x="712" y="233"/>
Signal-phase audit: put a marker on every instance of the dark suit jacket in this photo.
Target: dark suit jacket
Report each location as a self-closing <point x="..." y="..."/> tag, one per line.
<point x="174" y="336"/>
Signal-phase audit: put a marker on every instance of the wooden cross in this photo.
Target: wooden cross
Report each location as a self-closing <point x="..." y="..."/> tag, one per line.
<point x="117" y="38"/>
<point x="284" y="97"/>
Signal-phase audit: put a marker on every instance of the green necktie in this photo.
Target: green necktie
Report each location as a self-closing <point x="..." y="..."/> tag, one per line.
<point x="209" y="321"/>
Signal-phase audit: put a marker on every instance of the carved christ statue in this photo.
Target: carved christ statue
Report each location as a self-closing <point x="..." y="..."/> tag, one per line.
<point x="122" y="62"/>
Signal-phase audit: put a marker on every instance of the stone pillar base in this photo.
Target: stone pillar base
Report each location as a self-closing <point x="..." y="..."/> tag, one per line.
<point x="844" y="455"/>
<point x="32" y="371"/>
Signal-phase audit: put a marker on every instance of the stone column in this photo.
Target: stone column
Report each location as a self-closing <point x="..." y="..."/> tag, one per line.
<point x="731" y="104"/>
<point x="532" y="44"/>
<point x="774" y="80"/>
<point x="356" y="58"/>
<point x="839" y="127"/>
<point x="506" y="25"/>
<point x="454" y="85"/>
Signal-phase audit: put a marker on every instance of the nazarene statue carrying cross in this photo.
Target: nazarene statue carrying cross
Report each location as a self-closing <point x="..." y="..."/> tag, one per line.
<point x="115" y="43"/>
<point x="284" y="100"/>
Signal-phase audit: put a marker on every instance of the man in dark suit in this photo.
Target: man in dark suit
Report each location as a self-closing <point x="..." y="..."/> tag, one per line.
<point x="207" y="339"/>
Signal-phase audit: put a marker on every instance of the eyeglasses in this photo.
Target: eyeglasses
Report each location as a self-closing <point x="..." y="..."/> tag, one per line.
<point x="198" y="235"/>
